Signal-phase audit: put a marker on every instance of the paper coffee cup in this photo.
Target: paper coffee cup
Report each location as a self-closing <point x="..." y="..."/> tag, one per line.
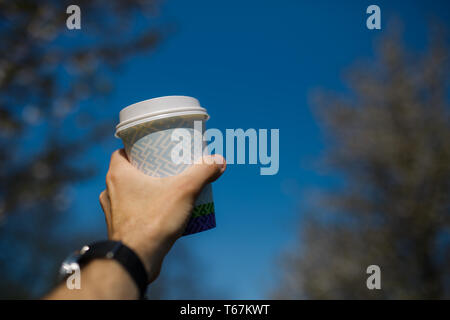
<point x="146" y="130"/>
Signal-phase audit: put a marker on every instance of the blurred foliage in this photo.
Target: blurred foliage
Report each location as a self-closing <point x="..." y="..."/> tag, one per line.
<point x="388" y="140"/>
<point x="47" y="73"/>
<point x="46" y="70"/>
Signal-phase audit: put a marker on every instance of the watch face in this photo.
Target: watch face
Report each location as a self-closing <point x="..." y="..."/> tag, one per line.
<point x="69" y="265"/>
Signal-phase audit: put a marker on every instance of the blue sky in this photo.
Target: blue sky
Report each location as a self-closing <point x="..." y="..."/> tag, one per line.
<point x="253" y="64"/>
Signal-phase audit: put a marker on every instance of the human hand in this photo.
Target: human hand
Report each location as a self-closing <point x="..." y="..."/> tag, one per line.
<point x="147" y="213"/>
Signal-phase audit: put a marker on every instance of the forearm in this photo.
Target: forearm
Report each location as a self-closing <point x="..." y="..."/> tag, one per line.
<point x="100" y="279"/>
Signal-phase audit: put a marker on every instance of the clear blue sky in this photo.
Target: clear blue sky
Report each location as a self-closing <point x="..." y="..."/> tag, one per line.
<point x="253" y="64"/>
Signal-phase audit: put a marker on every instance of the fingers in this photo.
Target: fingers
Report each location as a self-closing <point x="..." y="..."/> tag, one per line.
<point x="192" y="180"/>
<point x="198" y="175"/>
<point x="119" y="169"/>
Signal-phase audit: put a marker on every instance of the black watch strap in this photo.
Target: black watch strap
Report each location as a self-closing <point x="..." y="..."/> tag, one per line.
<point x="121" y="253"/>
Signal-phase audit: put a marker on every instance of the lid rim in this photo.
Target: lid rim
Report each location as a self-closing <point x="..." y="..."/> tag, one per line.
<point x="200" y="110"/>
<point x="158" y="116"/>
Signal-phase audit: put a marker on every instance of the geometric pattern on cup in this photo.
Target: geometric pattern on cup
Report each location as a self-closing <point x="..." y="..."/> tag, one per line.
<point x="203" y="209"/>
<point x="152" y="154"/>
<point x="201" y="223"/>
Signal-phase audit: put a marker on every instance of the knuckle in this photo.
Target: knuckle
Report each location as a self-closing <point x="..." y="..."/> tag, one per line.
<point x="115" y="154"/>
<point x="113" y="176"/>
<point x="102" y="197"/>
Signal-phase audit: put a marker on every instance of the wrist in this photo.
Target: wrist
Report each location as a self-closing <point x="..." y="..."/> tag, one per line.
<point x="151" y="252"/>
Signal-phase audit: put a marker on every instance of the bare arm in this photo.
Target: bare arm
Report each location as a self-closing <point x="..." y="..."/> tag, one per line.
<point x="148" y="215"/>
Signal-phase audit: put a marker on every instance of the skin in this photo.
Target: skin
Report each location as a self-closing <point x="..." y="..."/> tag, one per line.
<point x="148" y="215"/>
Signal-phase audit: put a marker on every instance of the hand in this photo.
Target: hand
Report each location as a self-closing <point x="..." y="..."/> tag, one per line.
<point x="147" y="213"/>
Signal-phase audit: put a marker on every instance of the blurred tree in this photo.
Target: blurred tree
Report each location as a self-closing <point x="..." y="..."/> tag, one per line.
<point x="46" y="70"/>
<point x="389" y="142"/>
<point x="47" y="73"/>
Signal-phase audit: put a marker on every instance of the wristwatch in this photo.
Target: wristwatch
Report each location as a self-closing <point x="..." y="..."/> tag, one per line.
<point x="108" y="250"/>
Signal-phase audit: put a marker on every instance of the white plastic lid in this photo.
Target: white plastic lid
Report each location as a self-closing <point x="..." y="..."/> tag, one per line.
<point x="158" y="108"/>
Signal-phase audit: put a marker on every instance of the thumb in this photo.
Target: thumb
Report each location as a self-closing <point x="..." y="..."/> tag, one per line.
<point x="208" y="170"/>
